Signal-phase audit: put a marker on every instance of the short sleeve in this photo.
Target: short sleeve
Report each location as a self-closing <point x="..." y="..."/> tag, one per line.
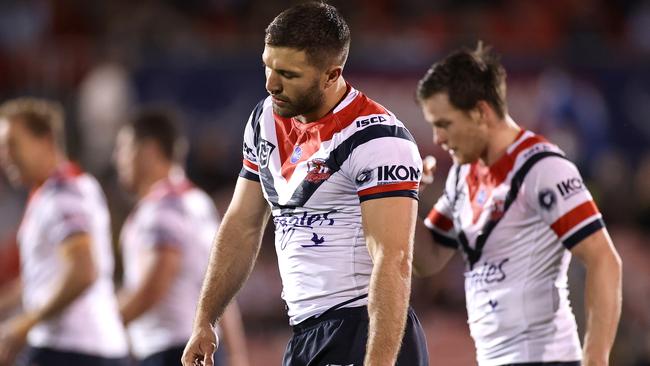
<point x="250" y="168"/>
<point x="166" y="226"/>
<point x="556" y="191"/>
<point x="439" y="221"/>
<point x="386" y="167"/>
<point x="67" y="217"/>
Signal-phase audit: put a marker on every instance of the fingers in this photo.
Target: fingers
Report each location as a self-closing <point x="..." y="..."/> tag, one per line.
<point x="197" y="355"/>
<point x="208" y="357"/>
<point x="428" y="168"/>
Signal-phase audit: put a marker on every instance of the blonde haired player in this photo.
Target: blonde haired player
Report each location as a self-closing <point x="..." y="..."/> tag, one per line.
<point x="70" y="314"/>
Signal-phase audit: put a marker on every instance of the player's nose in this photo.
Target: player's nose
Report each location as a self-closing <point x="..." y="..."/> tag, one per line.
<point x="439" y="137"/>
<point x="273" y="83"/>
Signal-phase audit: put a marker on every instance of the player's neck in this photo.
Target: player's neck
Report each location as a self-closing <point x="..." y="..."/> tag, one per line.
<point x="157" y="172"/>
<point x="501" y="137"/>
<point x="50" y="163"/>
<point x="333" y="97"/>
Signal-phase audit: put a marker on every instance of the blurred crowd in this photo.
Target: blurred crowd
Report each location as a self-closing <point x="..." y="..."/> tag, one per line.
<point x="578" y="73"/>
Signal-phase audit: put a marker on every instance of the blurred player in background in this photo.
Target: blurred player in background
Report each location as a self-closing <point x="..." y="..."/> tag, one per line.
<point x="517" y="209"/>
<point x="70" y="314"/>
<point x="166" y="244"/>
<point x="339" y="173"/>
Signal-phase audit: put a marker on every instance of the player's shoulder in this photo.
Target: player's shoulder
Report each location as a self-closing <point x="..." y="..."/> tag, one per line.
<point x="263" y="108"/>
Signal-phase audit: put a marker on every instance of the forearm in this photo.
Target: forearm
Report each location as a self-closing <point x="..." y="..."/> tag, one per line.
<point x="603" y="299"/>
<point x="231" y="261"/>
<point x="134" y="305"/>
<point x="74" y="282"/>
<point x="11" y="294"/>
<point x="388" y="299"/>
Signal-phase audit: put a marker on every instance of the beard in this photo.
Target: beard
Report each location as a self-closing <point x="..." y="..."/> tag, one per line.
<point x="308" y="102"/>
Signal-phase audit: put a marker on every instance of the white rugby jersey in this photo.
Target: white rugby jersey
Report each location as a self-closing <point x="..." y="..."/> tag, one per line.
<point x="516" y="284"/>
<point x="314" y="177"/>
<point x="173" y="213"/>
<point x="70" y="202"/>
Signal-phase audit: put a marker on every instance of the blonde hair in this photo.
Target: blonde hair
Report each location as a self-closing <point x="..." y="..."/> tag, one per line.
<point x="42" y="117"/>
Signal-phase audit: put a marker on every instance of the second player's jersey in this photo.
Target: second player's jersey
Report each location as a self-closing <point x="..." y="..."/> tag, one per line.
<point x="314" y="177"/>
<point x="174" y="213"/>
<point x="68" y="203"/>
<point x="514" y="222"/>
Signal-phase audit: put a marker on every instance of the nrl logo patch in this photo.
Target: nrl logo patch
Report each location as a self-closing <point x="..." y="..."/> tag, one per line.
<point x="264" y="150"/>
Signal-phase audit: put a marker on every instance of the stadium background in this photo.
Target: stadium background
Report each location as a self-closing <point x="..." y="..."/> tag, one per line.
<point x="578" y="73"/>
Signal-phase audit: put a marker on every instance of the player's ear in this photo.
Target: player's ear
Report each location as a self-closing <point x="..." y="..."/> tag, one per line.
<point x="483" y="110"/>
<point x="332" y="75"/>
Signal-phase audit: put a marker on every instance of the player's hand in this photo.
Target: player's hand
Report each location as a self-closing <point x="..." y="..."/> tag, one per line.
<point x="199" y="351"/>
<point x="13" y="337"/>
<point x="428" y="169"/>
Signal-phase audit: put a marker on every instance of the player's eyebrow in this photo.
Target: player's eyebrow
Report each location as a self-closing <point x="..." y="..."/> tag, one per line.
<point x="441" y="122"/>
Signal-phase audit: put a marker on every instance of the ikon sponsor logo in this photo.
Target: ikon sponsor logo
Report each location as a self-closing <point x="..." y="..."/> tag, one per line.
<point x="398" y="172"/>
<point x="371" y="120"/>
<point x="570" y="187"/>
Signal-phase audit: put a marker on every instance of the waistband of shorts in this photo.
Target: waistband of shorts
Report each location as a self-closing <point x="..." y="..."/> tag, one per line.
<point x="358" y="312"/>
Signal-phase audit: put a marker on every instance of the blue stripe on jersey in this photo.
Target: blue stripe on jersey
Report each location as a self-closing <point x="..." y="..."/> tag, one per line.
<point x="248" y="175"/>
<point x="445" y="241"/>
<point x="403" y="193"/>
<point x="583" y="233"/>
<point x="336" y="158"/>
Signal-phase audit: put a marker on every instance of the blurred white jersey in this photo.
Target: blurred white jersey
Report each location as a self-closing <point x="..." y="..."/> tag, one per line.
<point x="68" y="203"/>
<point x="174" y="213"/>
<point x="314" y="176"/>
<point x="514" y="222"/>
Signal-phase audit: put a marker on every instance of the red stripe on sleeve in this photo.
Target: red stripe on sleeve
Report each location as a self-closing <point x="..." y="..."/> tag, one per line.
<point x="407" y="186"/>
<point x="574" y="217"/>
<point x="439" y="220"/>
<point x="250" y="165"/>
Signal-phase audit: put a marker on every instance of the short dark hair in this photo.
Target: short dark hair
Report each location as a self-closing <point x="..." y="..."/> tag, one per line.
<point x="314" y="27"/>
<point x="467" y="76"/>
<point x="163" y="127"/>
<point x="41" y="117"/>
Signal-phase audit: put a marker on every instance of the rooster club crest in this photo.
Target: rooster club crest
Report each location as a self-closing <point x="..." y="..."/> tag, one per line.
<point x="317" y="171"/>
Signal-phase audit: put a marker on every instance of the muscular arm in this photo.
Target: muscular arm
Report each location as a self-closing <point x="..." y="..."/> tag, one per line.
<point x="159" y="276"/>
<point x="388" y="224"/>
<point x="429" y="257"/>
<point x="603" y="295"/>
<point x="78" y="274"/>
<point x="231" y="261"/>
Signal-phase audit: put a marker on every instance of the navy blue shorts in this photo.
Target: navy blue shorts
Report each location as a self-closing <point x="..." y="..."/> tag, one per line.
<point x="339" y="337"/>
<point x="172" y="357"/>
<point x="50" y="357"/>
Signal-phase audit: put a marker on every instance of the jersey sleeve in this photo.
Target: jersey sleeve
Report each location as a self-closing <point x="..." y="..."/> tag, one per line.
<point x="250" y="168"/>
<point x="556" y="191"/>
<point x="67" y="217"/>
<point x="165" y="227"/>
<point x="439" y="221"/>
<point x="386" y="167"/>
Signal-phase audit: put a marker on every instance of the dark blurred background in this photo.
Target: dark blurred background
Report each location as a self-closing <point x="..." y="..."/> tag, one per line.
<point x="578" y="72"/>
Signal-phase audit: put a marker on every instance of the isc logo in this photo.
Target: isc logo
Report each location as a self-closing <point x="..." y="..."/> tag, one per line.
<point x="398" y="172"/>
<point x="371" y="120"/>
